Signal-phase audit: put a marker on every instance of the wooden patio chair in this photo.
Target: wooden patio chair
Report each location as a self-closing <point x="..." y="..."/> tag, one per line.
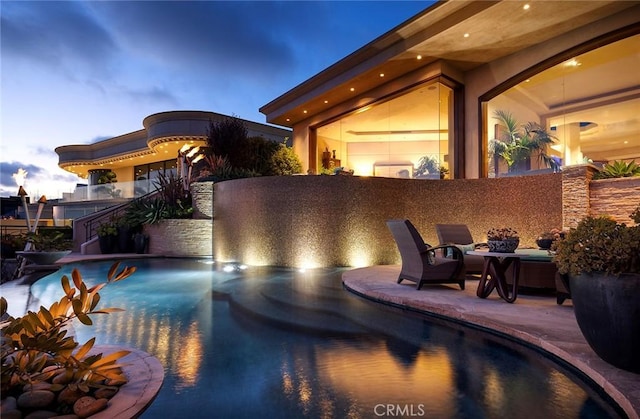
<point x="420" y="262"/>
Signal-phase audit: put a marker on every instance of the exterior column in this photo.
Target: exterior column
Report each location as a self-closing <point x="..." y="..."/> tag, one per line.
<point x="575" y="193"/>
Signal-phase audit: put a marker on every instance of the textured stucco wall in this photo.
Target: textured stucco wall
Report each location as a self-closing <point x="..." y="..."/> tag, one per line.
<point x="310" y="221"/>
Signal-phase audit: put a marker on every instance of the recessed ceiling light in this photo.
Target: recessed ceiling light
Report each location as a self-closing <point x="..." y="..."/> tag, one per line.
<point x="305" y="111"/>
<point x="466" y="35"/>
<point x="381" y="74"/>
<point x="288" y="119"/>
<point x="326" y="101"/>
<point x="419" y="57"/>
<point x="353" y="89"/>
<point x="526" y="6"/>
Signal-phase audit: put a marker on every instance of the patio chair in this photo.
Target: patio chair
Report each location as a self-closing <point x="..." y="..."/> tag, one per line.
<point x="459" y="235"/>
<point x="420" y="262"/>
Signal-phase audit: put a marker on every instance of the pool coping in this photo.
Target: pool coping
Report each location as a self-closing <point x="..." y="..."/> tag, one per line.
<point x="552" y="328"/>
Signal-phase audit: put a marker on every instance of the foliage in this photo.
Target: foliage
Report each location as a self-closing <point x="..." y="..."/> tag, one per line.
<point x="284" y="161"/>
<point x="599" y="244"/>
<point x="427" y="165"/>
<point x="108" y="177"/>
<point x="36" y="348"/>
<point x="502" y="233"/>
<point x="49" y="241"/>
<point x="171" y="202"/>
<point x="635" y="215"/>
<point x="618" y="169"/>
<point x="228" y="138"/>
<point x="518" y="143"/>
<point x="107" y="228"/>
<point x="553" y="234"/>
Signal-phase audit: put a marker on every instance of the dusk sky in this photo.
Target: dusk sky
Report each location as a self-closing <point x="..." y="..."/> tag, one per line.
<point x="79" y="72"/>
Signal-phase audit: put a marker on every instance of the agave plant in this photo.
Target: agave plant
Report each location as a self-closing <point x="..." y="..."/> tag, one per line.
<point x="519" y="143"/>
<point x="618" y="169"/>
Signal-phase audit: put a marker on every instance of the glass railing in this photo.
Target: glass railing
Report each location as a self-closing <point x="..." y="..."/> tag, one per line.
<point x="118" y="190"/>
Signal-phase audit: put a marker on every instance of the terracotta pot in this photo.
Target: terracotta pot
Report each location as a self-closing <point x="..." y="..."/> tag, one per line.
<point x="607" y="309"/>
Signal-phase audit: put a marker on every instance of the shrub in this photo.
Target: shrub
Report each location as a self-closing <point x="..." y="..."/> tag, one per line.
<point x="284" y="161"/>
<point x="599" y="244"/>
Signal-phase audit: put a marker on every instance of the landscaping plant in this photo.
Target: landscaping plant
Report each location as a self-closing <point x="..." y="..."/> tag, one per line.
<point x="37" y="353"/>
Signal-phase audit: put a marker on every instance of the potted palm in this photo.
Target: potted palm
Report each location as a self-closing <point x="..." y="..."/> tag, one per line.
<point x="602" y="259"/>
<point x="517" y="144"/>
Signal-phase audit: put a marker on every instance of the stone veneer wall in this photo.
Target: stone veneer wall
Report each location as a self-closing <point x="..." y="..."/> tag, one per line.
<point x="311" y="221"/>
<point x="617" y="198"/>
<point x="180" y="237"/>
<point x="575" y="193"/>
<point x="202" y="197"/>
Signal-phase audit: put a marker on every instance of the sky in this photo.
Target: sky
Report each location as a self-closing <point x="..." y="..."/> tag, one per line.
<point x="77" y="72"/>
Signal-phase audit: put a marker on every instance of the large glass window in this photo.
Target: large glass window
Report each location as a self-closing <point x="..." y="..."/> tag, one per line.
<point x="590" y="105"/>
<point x="408" y="136"/>
<point x="146" y="175"/>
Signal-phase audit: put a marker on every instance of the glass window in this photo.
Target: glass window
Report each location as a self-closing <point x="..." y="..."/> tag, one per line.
<point x="589" y="105"/>
<point x="408" y="136"/>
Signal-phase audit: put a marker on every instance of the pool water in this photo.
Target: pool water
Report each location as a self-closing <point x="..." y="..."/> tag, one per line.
<point x="278" y="343"/>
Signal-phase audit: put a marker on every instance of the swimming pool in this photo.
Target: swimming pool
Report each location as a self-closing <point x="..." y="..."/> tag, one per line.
<point x="279" y="343"/>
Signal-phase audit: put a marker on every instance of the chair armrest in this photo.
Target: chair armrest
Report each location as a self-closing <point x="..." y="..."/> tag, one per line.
<point x="455" y="250"/>
<point x="480" y="245"/>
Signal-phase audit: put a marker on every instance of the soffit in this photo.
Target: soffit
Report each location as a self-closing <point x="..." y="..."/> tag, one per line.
<point x="496" y="30"/>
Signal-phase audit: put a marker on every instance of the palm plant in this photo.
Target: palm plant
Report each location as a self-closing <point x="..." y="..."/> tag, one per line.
<point x="518" y="143"/>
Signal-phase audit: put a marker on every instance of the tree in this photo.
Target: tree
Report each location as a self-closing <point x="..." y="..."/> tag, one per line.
<point x="517" y="144"/>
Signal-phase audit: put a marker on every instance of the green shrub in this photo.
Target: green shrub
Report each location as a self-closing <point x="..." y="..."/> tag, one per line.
<point x="284" y="161"/>
<point x="599" y="244"/>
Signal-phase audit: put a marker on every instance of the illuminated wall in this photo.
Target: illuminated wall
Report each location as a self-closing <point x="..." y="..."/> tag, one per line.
<point x="312" y="221"/>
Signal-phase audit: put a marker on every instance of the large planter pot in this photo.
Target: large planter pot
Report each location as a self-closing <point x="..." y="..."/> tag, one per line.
<point x="125" y="239"/>
<point x="607" y="309"/>
<point x="107" y="243"/>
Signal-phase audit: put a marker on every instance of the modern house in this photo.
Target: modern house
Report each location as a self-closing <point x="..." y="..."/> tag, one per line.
<point x="429" y="89"/>
<point x="126" y="166"/>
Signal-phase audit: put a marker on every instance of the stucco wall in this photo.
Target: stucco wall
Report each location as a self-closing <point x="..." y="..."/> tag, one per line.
<point x="310" y="221"/>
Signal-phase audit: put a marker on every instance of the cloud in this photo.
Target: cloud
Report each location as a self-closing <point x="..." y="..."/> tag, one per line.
<point x="56" y="35"/>
<point x="7" y="169"/>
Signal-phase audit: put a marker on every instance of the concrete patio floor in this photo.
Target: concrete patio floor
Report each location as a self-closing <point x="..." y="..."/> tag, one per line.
<point x="535" y="319"/>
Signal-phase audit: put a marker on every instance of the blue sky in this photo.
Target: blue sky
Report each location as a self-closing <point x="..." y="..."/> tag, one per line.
<point x="78" y="72"/>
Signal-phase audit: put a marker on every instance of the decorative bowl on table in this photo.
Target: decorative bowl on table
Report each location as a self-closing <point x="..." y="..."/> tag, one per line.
<point x="544" y="244"/>
<point x="503" y="246"/>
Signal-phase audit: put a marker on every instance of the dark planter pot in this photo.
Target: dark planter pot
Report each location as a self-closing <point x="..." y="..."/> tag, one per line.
<point x="140" y="242"/>
<point x="544" y="244"/>
<point x="503" y="246"/>
<point x="607" y="309"/>
<point x="125" y="239"/>
<point x="107" y="244"/>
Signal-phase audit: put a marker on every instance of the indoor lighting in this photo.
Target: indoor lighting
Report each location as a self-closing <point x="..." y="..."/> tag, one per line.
<point x="466" y="35"/>
<point x="526" y="6"/>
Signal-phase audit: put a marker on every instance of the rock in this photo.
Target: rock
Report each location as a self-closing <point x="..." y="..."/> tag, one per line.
<point x="12" y="414"/>
<point x="87" y="406"/>
<point x="39" y="385"/>
<point x="68" y="396"/>
<point x="9" y="403"/>
<point x="36" y="399"/>
<point x="62" y="378"/>
<point x="40" y="414"/>
<point x="105" y="393"/>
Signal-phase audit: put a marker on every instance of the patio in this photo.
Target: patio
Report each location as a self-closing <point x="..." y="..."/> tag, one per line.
<point x="534" y="319"/>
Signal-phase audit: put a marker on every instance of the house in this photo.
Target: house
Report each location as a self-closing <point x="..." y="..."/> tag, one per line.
<point x="428" y="90"/>
<point x="126" y="166"/>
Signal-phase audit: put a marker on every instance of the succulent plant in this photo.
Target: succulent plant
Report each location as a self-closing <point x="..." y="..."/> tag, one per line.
<point x="35" y="347"/>
<point x="502" y="233"/>
<point x="599" y="244"/>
